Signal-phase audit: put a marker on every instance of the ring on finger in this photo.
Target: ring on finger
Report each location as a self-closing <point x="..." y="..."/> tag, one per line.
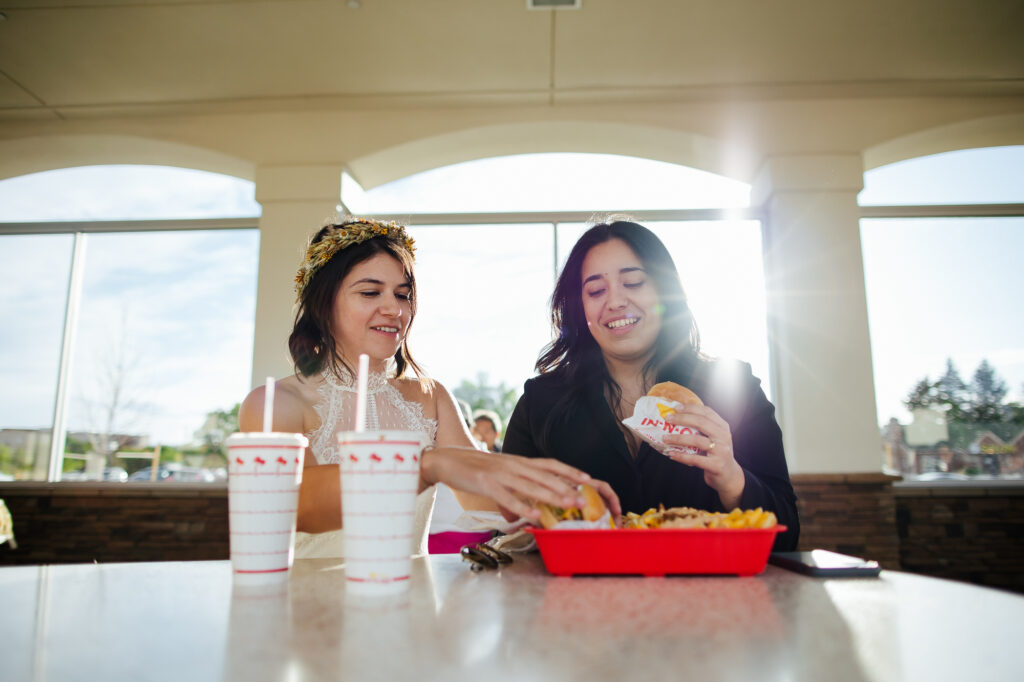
<point x="711" y="446"/>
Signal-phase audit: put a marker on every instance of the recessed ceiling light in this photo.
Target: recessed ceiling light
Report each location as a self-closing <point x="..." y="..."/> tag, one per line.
<point x="553" y="4"/>
<point x="353" y="4"/>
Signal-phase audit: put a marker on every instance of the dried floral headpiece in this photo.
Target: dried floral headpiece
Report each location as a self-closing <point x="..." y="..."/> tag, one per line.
<point x="344" y="235"/>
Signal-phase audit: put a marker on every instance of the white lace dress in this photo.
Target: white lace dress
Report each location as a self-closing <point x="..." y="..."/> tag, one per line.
<point x="385" y="409"/>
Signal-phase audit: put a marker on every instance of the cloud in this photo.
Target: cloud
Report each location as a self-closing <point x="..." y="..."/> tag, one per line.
<point x="143" y="193"/>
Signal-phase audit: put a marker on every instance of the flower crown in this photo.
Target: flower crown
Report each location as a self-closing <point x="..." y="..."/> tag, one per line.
<point x="346" y="234"/>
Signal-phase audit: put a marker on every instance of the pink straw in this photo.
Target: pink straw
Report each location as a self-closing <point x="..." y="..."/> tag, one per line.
<point x="268" y="406"/>
<point x="364" y="369"/>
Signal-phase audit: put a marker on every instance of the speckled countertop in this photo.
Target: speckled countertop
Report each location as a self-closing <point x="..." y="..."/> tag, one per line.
<point x="185" y="621"/>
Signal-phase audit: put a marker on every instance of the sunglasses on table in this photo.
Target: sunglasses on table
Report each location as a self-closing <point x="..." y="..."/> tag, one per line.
<point x="483" y="556"/>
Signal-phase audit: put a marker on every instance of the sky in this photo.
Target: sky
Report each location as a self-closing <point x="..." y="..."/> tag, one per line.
<point x="944" y="288"/>
<point x="177" y="308"/>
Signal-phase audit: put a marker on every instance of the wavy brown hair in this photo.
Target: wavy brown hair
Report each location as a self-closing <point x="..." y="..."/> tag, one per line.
<point x="574" y="355"/>
<point x="312" y="344"/>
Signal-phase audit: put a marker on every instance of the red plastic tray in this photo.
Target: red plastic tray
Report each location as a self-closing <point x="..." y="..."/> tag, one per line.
<point x="656" y="551"/>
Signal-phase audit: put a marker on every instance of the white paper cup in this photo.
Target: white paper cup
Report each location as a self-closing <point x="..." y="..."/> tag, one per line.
<point x="379" y="480"/>
<point x="264" y="473"/>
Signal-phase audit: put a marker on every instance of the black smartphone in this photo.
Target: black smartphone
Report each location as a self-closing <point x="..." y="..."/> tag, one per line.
<point x="822" y="563"/>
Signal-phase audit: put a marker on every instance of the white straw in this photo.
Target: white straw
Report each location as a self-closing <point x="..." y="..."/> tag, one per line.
<point x="268" y="406"/>
<point x="364" y="369"/>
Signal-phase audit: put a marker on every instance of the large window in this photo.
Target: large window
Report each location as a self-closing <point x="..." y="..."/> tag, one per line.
<point x="486" y="284"/>
<point x="484" y="290"/>
<point x="139" y="344"/>
<point x="130" y="342"/>
<point x="947" y="337"/>
<point x="34" y="273"/>
<point x="551" y="182"/>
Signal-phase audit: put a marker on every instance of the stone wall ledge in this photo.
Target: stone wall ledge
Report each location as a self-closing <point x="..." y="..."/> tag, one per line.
<point x="951" y="488"/>
<point x="10" y="489"/>
<point x="866" y="478"/>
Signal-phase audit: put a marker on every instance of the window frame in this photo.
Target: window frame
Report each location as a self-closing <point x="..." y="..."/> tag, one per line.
<point x="80" y="232"/>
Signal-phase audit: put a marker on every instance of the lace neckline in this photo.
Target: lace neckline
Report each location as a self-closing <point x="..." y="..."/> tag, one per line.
<point x="375" y="383"/>
<point x="386" y="408"/>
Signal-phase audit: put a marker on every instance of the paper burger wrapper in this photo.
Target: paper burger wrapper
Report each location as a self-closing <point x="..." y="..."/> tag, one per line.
<point x="603" y="522"/>
<point x="648" y="422"/>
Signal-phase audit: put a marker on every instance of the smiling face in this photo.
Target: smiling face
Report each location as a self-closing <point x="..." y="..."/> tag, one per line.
<point x="372" y="310"/>
<point x="620" y="302"/>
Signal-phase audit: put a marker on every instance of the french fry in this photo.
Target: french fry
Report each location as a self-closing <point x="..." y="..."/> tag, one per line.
<point x="688" y="517"/>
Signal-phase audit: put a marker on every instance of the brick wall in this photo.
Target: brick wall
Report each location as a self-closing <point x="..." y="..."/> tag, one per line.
<point x="973" y="533"/>
<point x="849" y="513"/>
<point x="112" y="522"/>
<point x="964" y="532"/>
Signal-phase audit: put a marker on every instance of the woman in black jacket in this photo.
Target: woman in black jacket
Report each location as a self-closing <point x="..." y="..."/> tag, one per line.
<point x="622" y="324"/>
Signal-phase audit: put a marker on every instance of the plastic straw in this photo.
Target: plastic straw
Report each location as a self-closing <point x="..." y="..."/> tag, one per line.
<point x="364" y="369"/>
<point x="268" y="406"/>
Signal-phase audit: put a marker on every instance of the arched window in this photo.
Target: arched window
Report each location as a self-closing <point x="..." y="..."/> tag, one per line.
<point x="492" y="235"/>
<point x="942" y="266"/>
<point x="153" y="334"/>
<point x="552" y="182"/>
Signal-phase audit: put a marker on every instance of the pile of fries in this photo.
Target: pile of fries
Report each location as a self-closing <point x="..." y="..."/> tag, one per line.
<point x="688" y="517"/>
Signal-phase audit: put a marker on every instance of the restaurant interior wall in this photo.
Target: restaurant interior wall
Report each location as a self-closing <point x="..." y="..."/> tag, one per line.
<point x="778" y="95"/>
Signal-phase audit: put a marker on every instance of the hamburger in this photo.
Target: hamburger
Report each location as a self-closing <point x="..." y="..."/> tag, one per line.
<point x="592" y="510"/>
<point x="671" y="391"/>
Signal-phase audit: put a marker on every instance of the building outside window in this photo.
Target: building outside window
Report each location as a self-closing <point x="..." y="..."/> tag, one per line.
<point x="943" y="275"/>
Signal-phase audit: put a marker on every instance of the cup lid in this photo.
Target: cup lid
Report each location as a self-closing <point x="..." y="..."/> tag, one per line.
<point x="272" y="438"/>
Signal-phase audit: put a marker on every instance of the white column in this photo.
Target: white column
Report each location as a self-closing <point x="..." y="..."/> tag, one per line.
<point x="817" y="312"/>
<point x="296" y="201"/>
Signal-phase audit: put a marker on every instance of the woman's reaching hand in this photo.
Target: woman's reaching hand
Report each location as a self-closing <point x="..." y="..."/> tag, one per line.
<point x="511" y="481"/>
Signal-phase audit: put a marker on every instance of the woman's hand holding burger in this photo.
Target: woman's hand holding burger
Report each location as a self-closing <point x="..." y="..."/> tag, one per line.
<point x="711" y="434"/>
<point x="512" y="482"/>
<point x="596" y="498"/>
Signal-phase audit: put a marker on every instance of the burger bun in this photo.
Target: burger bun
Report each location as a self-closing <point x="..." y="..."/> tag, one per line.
<point x="670" y="390"/>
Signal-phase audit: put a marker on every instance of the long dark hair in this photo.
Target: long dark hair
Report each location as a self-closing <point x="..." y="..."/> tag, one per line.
<point x="575" y="357"/>
<point x="312" y="344"/>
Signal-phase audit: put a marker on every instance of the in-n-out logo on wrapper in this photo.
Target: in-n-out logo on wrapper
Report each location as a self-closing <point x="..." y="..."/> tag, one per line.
<point x="648" y="422"/>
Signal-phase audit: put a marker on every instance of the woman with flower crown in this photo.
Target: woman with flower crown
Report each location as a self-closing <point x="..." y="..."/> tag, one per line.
<point x="357" y="294"/>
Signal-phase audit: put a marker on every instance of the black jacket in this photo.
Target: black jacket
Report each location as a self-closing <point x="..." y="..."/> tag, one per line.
<point x="587" y="437"/>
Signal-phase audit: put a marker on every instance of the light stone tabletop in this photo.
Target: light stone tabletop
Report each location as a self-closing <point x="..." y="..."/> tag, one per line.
<point x="185" y="621"/>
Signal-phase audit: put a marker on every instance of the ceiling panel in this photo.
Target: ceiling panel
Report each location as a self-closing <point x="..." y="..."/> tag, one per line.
<point x="665" y="43"/>
<point x="80" y="57"/>
<point x="12" y="95"/>
<point x="185" y="52"/>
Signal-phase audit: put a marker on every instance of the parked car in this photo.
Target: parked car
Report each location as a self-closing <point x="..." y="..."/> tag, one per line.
<point x="117" y="474"/>
<point x="174" y="472"/>
<point x="942" y="476"/>
<point x="76" y="476"/>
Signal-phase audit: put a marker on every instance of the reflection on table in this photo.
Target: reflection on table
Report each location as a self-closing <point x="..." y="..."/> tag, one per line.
<point x="178" y="621"/>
